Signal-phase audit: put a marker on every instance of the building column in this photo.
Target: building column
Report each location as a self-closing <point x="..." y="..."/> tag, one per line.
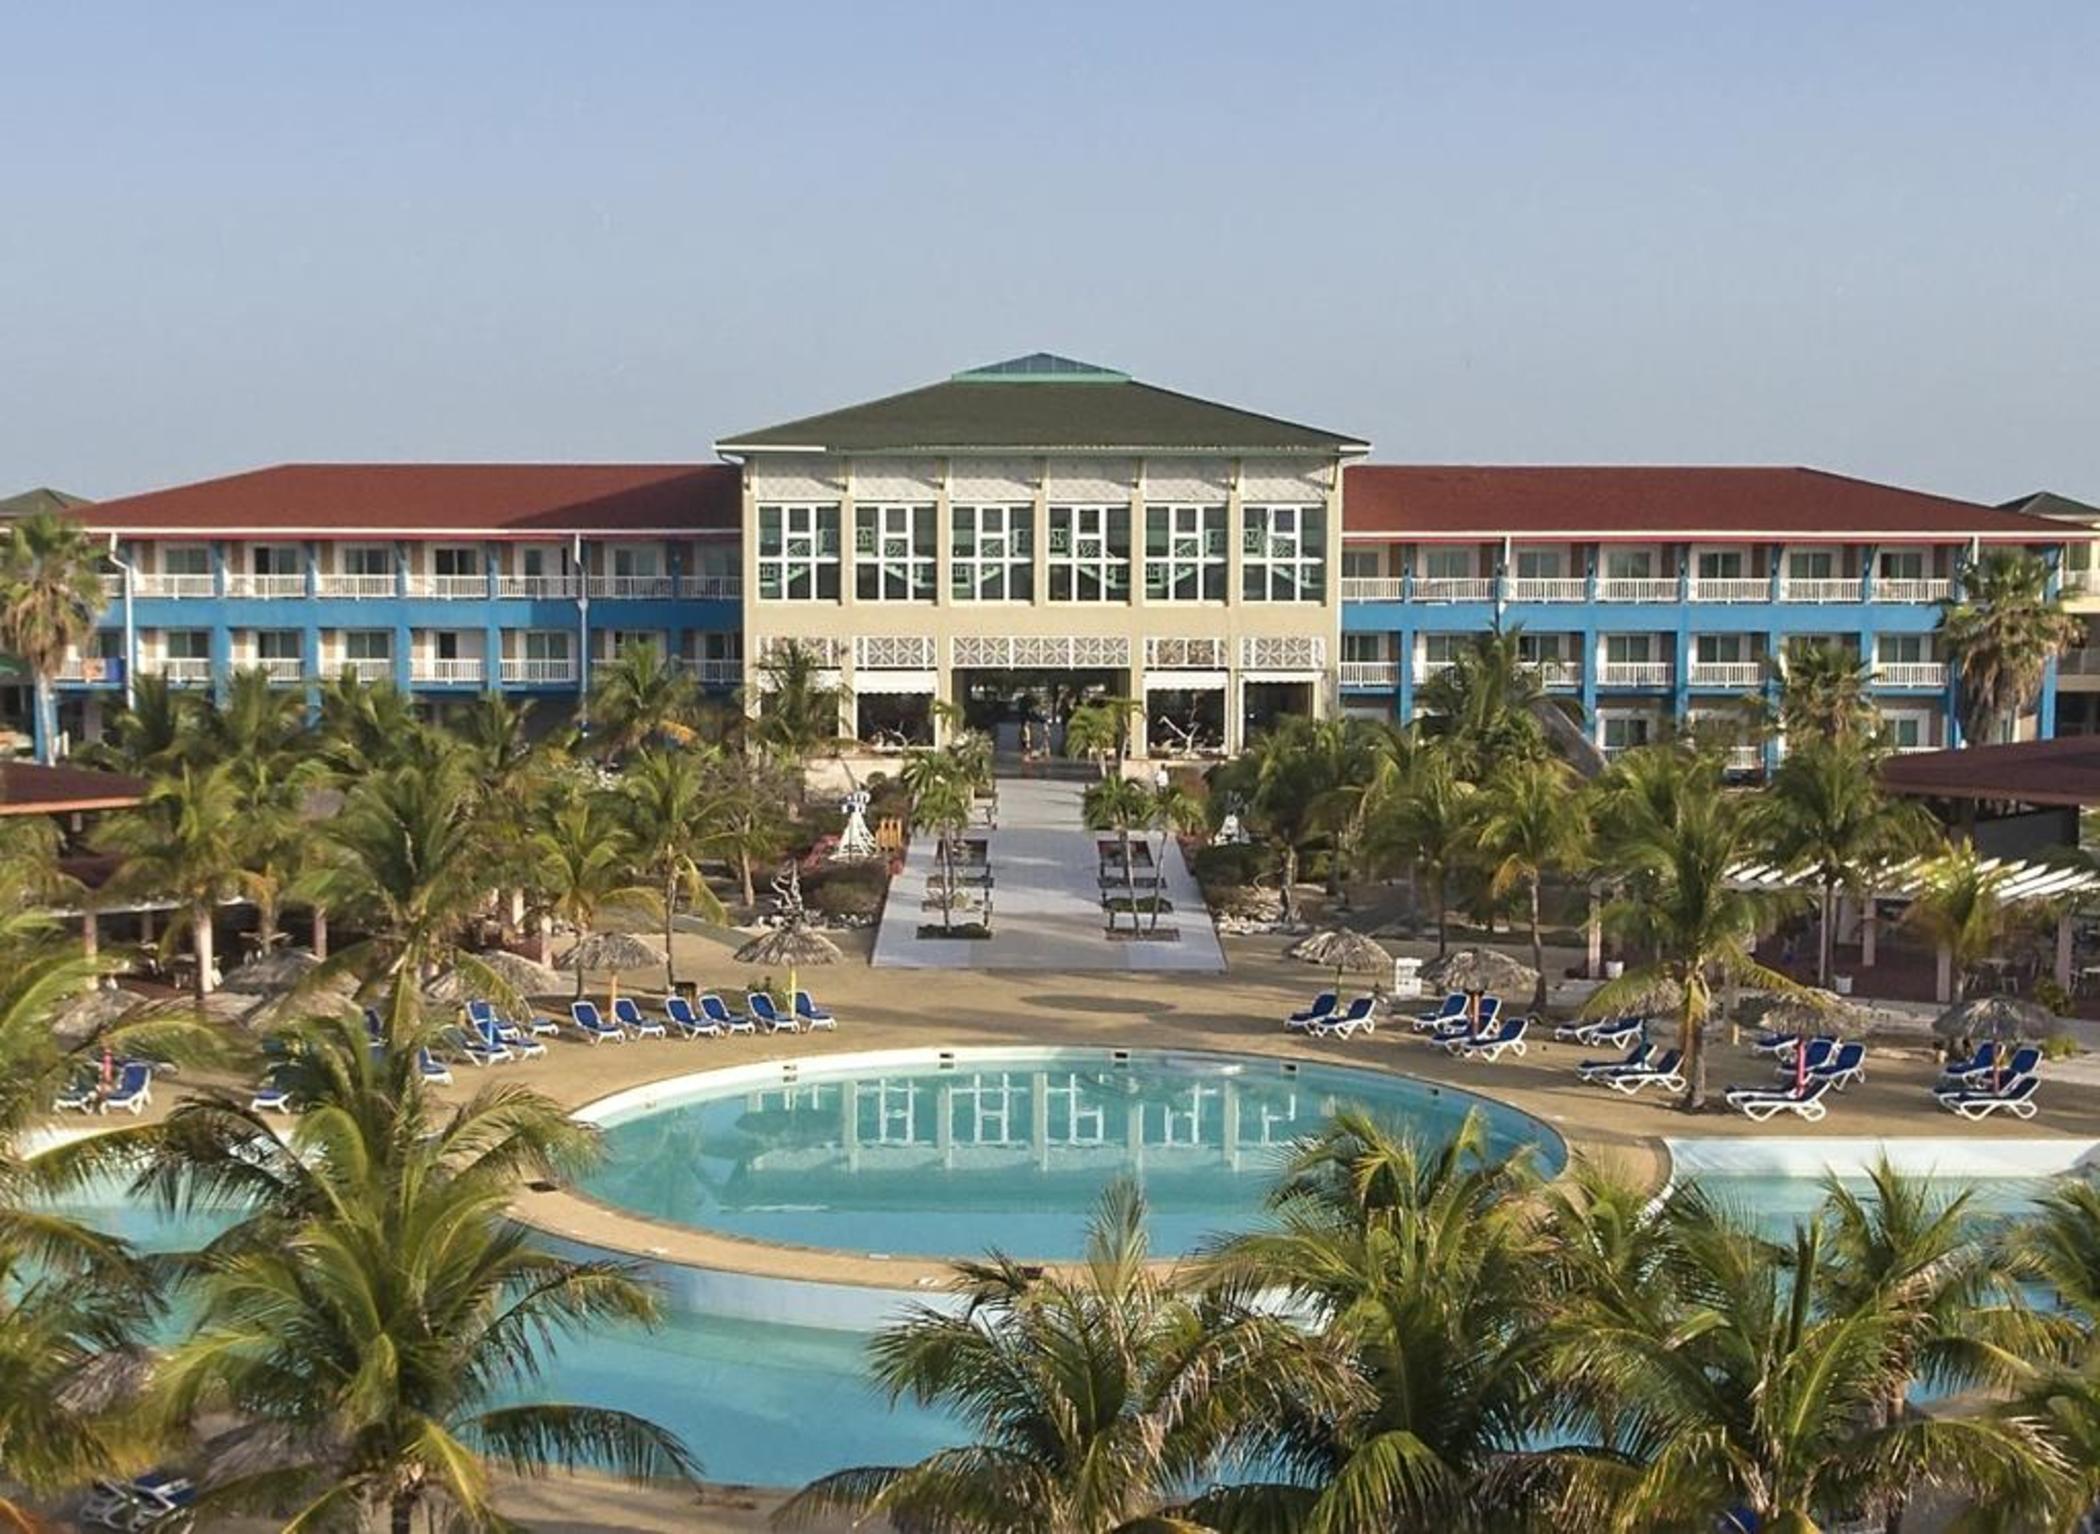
<point x="2063" y="950"/>
<point x="1867" y="929"/>
<point x="90" y="934"/>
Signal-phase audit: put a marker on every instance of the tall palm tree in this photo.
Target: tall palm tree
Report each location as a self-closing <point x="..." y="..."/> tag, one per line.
<point x="1485" y="705"/>
<point x="183" y="842"/>
<point x="639" y="696"/>
<point x="156" y="732"/>
<point x="50" y="596"/>
<point x="367" y="727"/>
<point x="2058" y="1249"/>
<point x="1999" y="634"/>
<point x="1096" y="1397"/>
<point x="1532" y="822"/>
<point x="1830" y="816"/>
<point x="1823" y="695"/>
<point x="1428" y="823"/>
<point x="584" y="857"/>
<point x="1959" y="906"/>
<point x="798" y="711"/>
<point x="941" y="789"/>
<point x="670" y="810"/>
<point x="1126" y="807"/>
<point x="259" y="734"/>
<point x="1370" y="762"/>
<point x="1280" y="788"/>
<point x="1099" y="731"/>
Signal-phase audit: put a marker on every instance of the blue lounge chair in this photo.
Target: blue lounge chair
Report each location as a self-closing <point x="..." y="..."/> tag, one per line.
<point x="812" y="1016"/>
<point x="271" y="1096"/>
<point x="1358" y="1016"/>
<point x="478" y="1048"/>
<point x="1454" y="1007"/>
<point x="431" y="1068"/>
<point x="763" y="1011"/>
<point x="1508" y="1037"/>
<point x="1663" y="1070"/>
<point x="688" y="1023"/>
<point x="526" y="1046"/>
<point x="1638" y="1056"/>
<point x="2024" y="1061"/>
<point x="1760" y="1103"/>
<point x="2015" y="1097"/>
<point x="716" y="1010"/>
<point x="1601" y="1032"/>
<point x="593" y="1026"/>
<point x="513" y="1034"/>
<point x="133" y="1090"/>
<point x="1985" y="1057"/>
<point x="1820" y="1049"/>
<point x="1848" y="1065"/>
<point x="1489" y="1019"/>
<point x="1322" y="1008"/>
<point x="629" y="1016"/>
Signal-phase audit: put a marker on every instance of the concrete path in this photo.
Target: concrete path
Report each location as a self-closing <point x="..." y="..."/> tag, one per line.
<point x="1046" y="901"/>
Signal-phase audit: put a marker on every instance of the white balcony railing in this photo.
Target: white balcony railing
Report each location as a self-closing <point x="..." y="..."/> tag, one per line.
<point x="539" y="587"/>
<point x="365" y="670"/>
<point x="449" y="588"/>
<point x="1558" y="673"/>
<point x="91" y="670"/>
<point x="2078" y="663"/>
<point x="1905" y="589"/>
<point x="271" y="587"/>
<point x="1727" y="673"/>
<point x="1637" y="588"/>
<point x="361" y="588"/>
<point x="1380" y="674"/>
<point x="1455" y="588"/>
<point x="1548" y="588"/>
<point x="1634" y="673"/>
<point x="711" y="588"/>
<point x="719" y="673"/>
<point x="112" y="588"/>
<point x="1425" y="669"/>
<point x="1911" y="673"/>
<point x="443" y="671"/>
<point x="174" y="586"/>
<point x="633" y="586"/>
<point x="1372" y="588"/>
<point x="1732" y="588"/>
<point x="1744" y="759"/>
<point x="1844" y="588"/>
<point x="539" y="672"/>
<point x="186" y="671"/>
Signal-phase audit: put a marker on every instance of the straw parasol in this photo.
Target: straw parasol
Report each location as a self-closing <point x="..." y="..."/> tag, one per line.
<point x="1475" y="970"/>
<point x="521" y="974"/>
<point x="792" y="945"/>
<point x="1801" y="1013"/>
<point x="86" y="1015"/>
<point x="1995" y="1017"/>
<point x="609" y="953"/>
<point x="1343" y="948"/>
<point x="271" y="973"/>
<point x="1649" y="995"/>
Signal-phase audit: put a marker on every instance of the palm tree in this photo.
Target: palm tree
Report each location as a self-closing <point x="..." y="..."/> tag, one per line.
<point x="752" y="791"/>
<point x="156" y="732"/>
<point x="2058" y="1250"/>
<point x="1370" y="762"/>
<point x="941" y="789"/>
<point x="1174" y="812"/>
<point x="1280" y="787"/>
<point x="670" y="810"/>
<point x="798" y="712"/>
<point x="50" y="596"/>
<point x="1485" y="705"/>
<point x="639" y="696"/>
<point x="1829" y="816"/>
<point x="1098" y="730"/>
<point x="1679" y="904"/>
<point x="367" y="727"/>
<point x="1532" y="822"/>
<point x="1999" y="635"/>
<point x="1960" y="908"/>
<point x="1096" y="1397"/>
<point x="259" y="734"/>
<point x="583" y="855"/>
<point x="1823" y="695"/>
<point x="1428" y="823"/>
<point x="185" y="841"/>
<point x="1126" y="807"/>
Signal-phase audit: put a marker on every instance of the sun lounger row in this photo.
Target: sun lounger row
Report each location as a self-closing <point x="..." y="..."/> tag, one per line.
<point x="130" y="1090"/>
<point x="155" y="1498"/>
<point x="1641" y="1066"/>
<point x="1993" y="1080"/>
<point x="1327" y="1019"/>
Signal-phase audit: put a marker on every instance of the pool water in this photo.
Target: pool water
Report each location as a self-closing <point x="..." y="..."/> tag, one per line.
<point x="1774" y="1204"/>
<point x="925" y="1160"/>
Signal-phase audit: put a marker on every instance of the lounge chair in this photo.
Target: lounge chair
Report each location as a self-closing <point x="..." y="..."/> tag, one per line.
<point x="629" y="1016"/>
<point x="154" y="1498"/>
<point x="525" y="1045"/>
<point x="812" y="1016"/>
<point x="478" y="1048"/>
<point x="1601" y="1032"/>
<point x="688" y="1023"/>
<point x="1773" y="1042"/>
<point x="2024" y="1061"/>
<point x="271" y="1095"/>
<point x="1490" y="1046"/>
<point x="1322" y="1008"/>
<point x="133" y="1091"/>
<point x="1759" y="1103"/>
<point x="716" y="1010"/>
<point x="1820" y="1050"/>
<point x="431" y="1068"/>
<point x="1979" y="1063"/>
<point x="763" y="1011"/>
<point x="1638" y="1056"/>
<point x="80" y="1096"/>
<point x="508" y="1031"/>
<point x="1848" y="1065"/>
<point x="1663" y="1071"/>
<point x="2015" y="1097"/>
<point x="1454" y="1007"/>
<point x="593" y="1026"/>
<point x="1341" y="1025"/>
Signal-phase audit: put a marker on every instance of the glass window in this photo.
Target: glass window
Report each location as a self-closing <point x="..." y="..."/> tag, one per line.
<point x="722" y="646"/>
<point x="1185" y="553"/>
<point x="1721" y="565"/>
<point x="109" y="644"/>
<point x="717" y="557"/>
<point x="798" y="553"/>
<point x="1722" y="648"/>
<point x="366" y="559"/>
<point x="893" y="553"/>
<point x="1902" y="564"/>
<point x="456" y="561"/>
<point x="1444" y="564"/>
<point x="1622" y="732"/>
<point x="276" y="559"/>
<point x="1442" y="649"/>
<point x="1363" y="647"/>
<point x="277" y="644"/>
<point x="1283" y="554"/>
<point x="1089" y="553"/>
<point x="992" y="553"/>
<point x="1541" y="649"/>
<point x="1631" y="649"/>
<point x="1906" y="731"/>
<point x="368" y="644"/>
<point x="637" y="560"/>
<point x="185" y="559"/>
<point x="187" y="644"/>
<point x="1904" y="649"/>
<point x="1540" y="564"/>
<point x="547" y="644"/>
<point x="1363" y="564"/>
<point x="1811" y="565"/>
<point x="1629" y="564"/>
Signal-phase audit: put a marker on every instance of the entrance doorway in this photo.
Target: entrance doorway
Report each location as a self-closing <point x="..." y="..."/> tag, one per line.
<point x="1267" y="704"/>
<point x="1024" y="712"/>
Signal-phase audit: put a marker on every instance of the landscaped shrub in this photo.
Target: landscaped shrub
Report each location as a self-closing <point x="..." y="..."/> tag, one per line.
<point x="847" y="889"/>
<point x="1224" y="865"/>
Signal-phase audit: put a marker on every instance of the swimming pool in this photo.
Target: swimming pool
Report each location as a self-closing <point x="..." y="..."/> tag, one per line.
<point x="929" y="1153"/>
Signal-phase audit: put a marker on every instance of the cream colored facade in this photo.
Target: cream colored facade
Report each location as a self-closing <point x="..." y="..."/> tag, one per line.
<point x="918" y="647"/>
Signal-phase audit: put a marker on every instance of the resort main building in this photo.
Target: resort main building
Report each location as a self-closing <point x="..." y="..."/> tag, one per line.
<point x="1023" y="535"/>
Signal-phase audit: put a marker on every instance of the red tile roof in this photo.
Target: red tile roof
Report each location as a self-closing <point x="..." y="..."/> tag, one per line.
<point x="27" y="788"/>
<point x="324" y="500"/>
<point x="1402" y="500"/>
<point x="2065" y="770"/>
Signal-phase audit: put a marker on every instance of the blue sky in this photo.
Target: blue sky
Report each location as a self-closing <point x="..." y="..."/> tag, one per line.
<point x="1864" y="236"/>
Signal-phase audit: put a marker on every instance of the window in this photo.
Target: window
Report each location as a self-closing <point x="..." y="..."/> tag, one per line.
<point x="1540" y="565"/>
<point x="375" y="559"/>
<point x="717" y="557"/>
<point x="893" y="553"/>
<point x="1442" y="649"/>
<point x="1811" y="565"/>
<point x="1363" y="564"/>
<point x="620" y="642"/>
<point x="187" y="644"/>
<point x="276" y="559"/>
<point x="727" y="646"/>
<point x="1902" y="564"/>
<point x="1185" y="553"/>
<point x="1623" y="732"/>
<point x="1721" y="565"/>
<point x="992" y="553"/>
<point x="1629" y="564"/>
<point x="547" y="645"/>
<point x="643" y="561"/>
<point x="1089" y="553"/>
<point x="185" y="559"/>
<point x="1904" y="649"/>
<point x="1907" y="732"/>
<point x="1541" y="649"/>
<point x="535" y="563"/>
<point x="1363" y="647"/>
<point x="368" y="644"/>
<point x="1629" y="649"/>
<point x="798" y="553"/>
<point x="1447" y="564"/>
<point x="1723" y="649"/>
<point x="277" y="644"/>
<point x="1283" y="554"/>
<point x="444" y="644"/>
<point x="455" y="561"/>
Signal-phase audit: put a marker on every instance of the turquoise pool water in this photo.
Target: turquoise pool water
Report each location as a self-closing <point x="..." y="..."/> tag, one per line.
<point x="1775" y="1204"/>
<point x="929" y="1161"/>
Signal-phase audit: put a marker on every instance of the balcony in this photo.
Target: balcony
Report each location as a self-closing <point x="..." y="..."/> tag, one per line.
<point x="1372" y="588"/>
<point x="715" y="672"/>
<point x="283" y="671"/>
<point x="1844" y="588"/>
<point x="1370" y="675"/>
<point x="179" y="586"/>
<point x="1425" y="670"/>
<point x="540" y="672"/>
<point x="90" y="671"/>
<point x="1905" y="589"/>
<point x="1732" y="588"/>
<point x="449" y="588"/>
<point x="365" y="669"/>
<point x="1744" y="759"/>
<point x="1558" y="673"/>
<point x="1548" y="588"/>
<point x="274" y="588"/>
<point x="186" y="672"/>
<point x="539" y="587"/>
<point x="1637" y="588"/>
<point x="1455" y="588"/>
<point x="633" y="587"/>
<point x="1635" y="673"/>
<point x="1727" y="673"/>
<point x="112" y="588"/>
<point x="1912" y="673"/>
<point x="2078" y="663"/>
<point x="358" y="588"/>
<point x="436" y="672"/>
<point x="711" y="588"/>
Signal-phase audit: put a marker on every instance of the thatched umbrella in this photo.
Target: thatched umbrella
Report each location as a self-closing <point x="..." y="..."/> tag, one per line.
<point x="1802" y="1013"/>
<point x="1651" y="995"/>
<point x="1996" y="1017"/>
<point x="523" y="975"/>
<point x="609" y="952"/>
<point x="792" y="944"/>
<point x="271" y="973"/>
<point x="106" y="1380"/>
<point x="1343" y="948"/>
<point x="88" y="1014"/>
<point x="1477" y="970"/>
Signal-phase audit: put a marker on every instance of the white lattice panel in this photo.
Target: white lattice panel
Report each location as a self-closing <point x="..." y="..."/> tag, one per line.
<point x="797" y="477"/>
<point x="1198" y="654"/>
<point x="992" y="481"/>
<point x="1284" y="482"/>
<point x="1084" y="481"/>
<point x="1282" y="652"/>
<point x="910" y="481"/>
<point x="1190" y="481"/>
<point x="893" y="652"/>
<point x="1044" y="652"/>
<point x="830" y="653"/>
<point x="1101" y="650"/>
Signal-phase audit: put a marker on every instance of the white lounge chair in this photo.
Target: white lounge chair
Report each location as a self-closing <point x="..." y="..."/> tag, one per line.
<point x="775" y="1020"/>
<point x="1345" y="1024"/>
<point x="812" y="1016"/>
<point x="1638" y="1056"/>
<point x="133" y="1091"/>
<point x="1760" y="1103"/>
<point x="689" y="1023"/>
<point x="629" y="1016"/>
<point x="716" y="1010"/>
<point x="2015" y="1097"/>
<point x="1322" y="1008"/>
<point x="1490" y="1046"/>
<point x="592" y="1024"/>
<point x="1663" y="1071"/>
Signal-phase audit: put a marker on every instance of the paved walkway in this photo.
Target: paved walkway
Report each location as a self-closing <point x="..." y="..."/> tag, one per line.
<point x="1046" y="899"/>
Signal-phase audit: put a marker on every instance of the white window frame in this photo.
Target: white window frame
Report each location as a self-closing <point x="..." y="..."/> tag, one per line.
<point x="1006" y="575"/>
<point x="201" y="550"/>
<point x="1461" y="559"/>
<point x="901" y="573"/>
<point x="1196" y="550"/>
<point x="351" y="638"/>
<point x="545" y="640"/>
<point x="1555" y="556"/>
<point x="1273" y="550"/>
<point x="1093" y="571"/>
<point x="795" y="572"/>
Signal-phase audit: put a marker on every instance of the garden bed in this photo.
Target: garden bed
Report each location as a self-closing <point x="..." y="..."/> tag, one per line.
<point x="962" y="931"/>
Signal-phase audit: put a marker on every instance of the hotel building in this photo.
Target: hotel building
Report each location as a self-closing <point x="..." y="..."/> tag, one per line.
<point x="1018" y="536"/>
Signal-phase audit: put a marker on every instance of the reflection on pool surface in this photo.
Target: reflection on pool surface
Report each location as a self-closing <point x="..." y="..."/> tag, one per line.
<point x="1010" y="1152"/>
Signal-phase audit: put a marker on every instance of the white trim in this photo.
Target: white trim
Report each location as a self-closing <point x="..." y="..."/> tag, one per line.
<point x="1687" y="535"/>
<point x="243" y="533"/>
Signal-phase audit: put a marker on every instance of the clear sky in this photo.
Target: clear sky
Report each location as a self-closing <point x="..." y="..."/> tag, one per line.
<point x="1864" y="235"/>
